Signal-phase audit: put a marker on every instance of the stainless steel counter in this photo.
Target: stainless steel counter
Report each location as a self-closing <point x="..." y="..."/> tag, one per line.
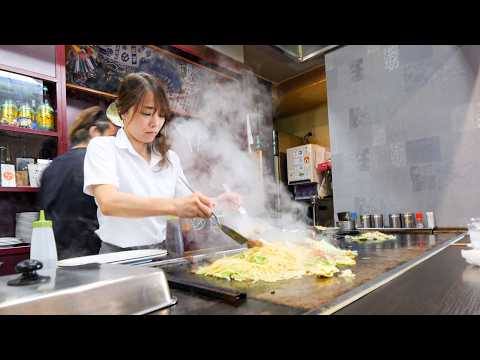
<point x="89" y="289"/>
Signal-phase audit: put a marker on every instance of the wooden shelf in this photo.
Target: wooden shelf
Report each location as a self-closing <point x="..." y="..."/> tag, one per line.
<point x="28" y="131"/>
<point x="113" y="97"/>
<point x="19" y="189"/>
<point x="91" y="91"/>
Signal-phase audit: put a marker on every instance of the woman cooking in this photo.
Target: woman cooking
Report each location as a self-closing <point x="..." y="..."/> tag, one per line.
<point x="134" y="177"/>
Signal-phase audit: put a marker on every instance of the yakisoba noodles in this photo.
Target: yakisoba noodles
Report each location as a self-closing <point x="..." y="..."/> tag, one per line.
<point x="272" y="263"/>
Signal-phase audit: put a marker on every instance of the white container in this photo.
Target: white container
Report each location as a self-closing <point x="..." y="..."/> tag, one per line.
<point x="474" y="232"/>
<point x="475" y="238"/>
<point x="43" y="247"/>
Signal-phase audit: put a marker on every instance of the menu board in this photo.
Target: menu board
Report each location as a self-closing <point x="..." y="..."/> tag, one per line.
<point x="101" y="67"/>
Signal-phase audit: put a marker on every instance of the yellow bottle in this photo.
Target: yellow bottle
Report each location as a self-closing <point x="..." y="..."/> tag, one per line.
<point x="8" y="113"/>
<point x="45" y="114"/>
<point x="25" y="116"/>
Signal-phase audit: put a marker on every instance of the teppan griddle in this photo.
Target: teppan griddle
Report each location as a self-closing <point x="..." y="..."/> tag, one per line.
<point x="377" y="264"/>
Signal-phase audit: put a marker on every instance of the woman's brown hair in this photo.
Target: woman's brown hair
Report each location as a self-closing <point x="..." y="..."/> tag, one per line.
<point x="92" y="116"/>
<point x="131" y="92"/>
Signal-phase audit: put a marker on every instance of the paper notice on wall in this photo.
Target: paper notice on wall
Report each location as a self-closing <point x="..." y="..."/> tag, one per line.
<point x="8" y="175"/>
<point x="35" y="173"/>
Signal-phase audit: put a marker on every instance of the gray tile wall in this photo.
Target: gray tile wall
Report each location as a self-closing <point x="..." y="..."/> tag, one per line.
<point x="405" y="129"/>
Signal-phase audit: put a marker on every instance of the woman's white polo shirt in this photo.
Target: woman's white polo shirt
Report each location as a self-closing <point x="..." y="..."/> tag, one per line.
<point x="113" y="160"/>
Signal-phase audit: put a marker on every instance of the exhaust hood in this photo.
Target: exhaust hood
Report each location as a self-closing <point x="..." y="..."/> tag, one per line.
<point x="305" y="52"/>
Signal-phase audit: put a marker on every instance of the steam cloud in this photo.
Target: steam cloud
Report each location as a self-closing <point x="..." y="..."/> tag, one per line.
<point x="212" y="152"/>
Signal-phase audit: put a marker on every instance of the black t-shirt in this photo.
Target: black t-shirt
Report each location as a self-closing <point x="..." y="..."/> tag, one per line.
<point x="74" y="213"/>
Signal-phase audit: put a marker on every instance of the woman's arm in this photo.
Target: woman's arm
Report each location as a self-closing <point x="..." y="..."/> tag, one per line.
<point x="115" y="203"/>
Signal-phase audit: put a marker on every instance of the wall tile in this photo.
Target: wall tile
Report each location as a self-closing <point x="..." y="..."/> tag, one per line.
<point x="414" y="53"/>
<point x="391" y="58"/>
<point x="423" y="150"/>
<point x="356" y="70"/>
<point x="423" y="177"/>
<point x="407" y="125"/>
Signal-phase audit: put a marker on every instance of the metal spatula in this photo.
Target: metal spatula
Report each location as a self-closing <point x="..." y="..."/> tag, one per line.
<point x="226" y="229"/>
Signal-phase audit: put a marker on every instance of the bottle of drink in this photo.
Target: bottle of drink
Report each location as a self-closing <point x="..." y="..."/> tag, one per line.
<point x="8" y="113"/>
<point x="34" y="114"/>
<point x="45" y="113"/>
<point x="43" y="247"/>
<point x="25" y="115"/>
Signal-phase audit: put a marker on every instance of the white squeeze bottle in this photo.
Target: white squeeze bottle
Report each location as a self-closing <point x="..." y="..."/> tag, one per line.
<point x="43" y="247"/>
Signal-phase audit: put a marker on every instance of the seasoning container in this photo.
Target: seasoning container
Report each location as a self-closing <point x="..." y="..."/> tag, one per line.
<point x="43" y="247"/>
<point x="353" y="216"/>
<point x="408" y="220"/>
<point x="419" y="220"/>
<point x="366" y="221"/>
<point x="395" y="221"/>
<point x="378" y="221"/>
<point x="430" y="219"/>
<point x="356" y="220"/>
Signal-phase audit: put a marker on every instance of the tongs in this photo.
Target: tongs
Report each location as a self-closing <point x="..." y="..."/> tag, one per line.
<point x="226" y="229"/>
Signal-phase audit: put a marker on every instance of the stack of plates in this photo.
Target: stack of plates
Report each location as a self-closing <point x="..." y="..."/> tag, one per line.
<point x="23" y="229"/>
<point x="8" y="241"/>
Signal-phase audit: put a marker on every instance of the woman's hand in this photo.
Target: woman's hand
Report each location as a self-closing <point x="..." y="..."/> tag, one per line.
<point x="195" y="205"/>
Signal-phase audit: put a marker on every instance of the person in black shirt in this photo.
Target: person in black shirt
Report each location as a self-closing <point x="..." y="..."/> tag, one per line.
<point x="74" y="213"/>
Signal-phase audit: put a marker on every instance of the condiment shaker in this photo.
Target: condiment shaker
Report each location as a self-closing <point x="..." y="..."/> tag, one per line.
<point x="378" y="221"/>
<point x="408" y="220"/>
<point x="395" y="221"/>
<point x="43" y="247"/>
<point x="366" y="221"/>
<point x="419" y="219"/>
